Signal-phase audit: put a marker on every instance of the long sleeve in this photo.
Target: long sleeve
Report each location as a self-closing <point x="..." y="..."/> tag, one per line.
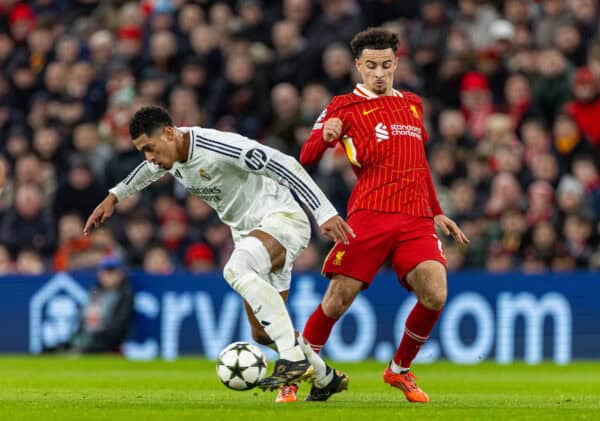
<point x="433" y="200"/>
<point x="141" y="177"/>
<point x="250" y="156"/>
<point x="314" y="147"/>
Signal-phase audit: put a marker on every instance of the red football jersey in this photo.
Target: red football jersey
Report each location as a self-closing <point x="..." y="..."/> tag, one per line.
<point x="384" y="141"/>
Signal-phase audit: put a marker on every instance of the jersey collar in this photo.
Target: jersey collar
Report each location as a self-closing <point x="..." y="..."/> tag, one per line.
<point x="361" y="91"/>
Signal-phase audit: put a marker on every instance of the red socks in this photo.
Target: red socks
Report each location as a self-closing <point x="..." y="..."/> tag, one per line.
<point x="419" y="324"/>
<point x="318" y="328"/>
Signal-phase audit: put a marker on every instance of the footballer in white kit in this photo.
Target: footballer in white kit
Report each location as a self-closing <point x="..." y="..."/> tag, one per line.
<point x="249" y="185"/>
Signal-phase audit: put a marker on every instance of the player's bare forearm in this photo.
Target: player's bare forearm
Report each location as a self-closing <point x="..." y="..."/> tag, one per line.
<point x="449" y="227"/>
<point x="102" y="212"/>
<point x="337" y="229"/>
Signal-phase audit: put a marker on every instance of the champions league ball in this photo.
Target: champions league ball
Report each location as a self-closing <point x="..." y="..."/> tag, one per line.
<point x="240" y="366"/>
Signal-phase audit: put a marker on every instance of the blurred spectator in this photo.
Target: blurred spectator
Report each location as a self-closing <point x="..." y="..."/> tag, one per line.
<point x="540" y="202"/>
<point x="554" y="13"/>
<point x="108" y="314"/>
<point x="289" y="49"/>
<point x="585" y="107"/>
<point x="174" y="233"/>
<point x="476" y="101"/>
<point x="139" y="233"/>
<point x="337" y="65"/>
<point x="286" y="114"/>
<point x="72" y="244"/>
<point x="499" y="259"/>
<point x="6" y="266"/>
<point x="28" y="224"/>
<point x="339" y="22"/>
<point x="87" y="143"/>
<point x="578" y="233"/>
<point x="570" y="195"/>
<point x="199" y="258"/>
<point x="79" y="192"/>
<point x="29" y="262"/>
<point x="585" y="169"/>
<point x="157" y="261"/>
<point x="552" y="87"/>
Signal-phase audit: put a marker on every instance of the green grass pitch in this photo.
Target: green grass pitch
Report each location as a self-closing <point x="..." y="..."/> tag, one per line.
<point x="111" y="388"/>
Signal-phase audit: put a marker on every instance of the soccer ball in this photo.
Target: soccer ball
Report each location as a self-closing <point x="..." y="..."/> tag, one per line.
<point x="240" y="366"/>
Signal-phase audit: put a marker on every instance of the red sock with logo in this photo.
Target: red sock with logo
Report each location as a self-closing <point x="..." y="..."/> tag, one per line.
<point x="419" y="325"/>
<point x="318" y="328"/>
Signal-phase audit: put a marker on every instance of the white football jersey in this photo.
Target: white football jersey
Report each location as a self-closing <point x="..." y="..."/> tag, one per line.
<point x="241" y="179"/>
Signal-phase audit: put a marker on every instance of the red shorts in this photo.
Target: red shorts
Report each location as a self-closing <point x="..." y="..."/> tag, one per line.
<point x="406" y="240"/>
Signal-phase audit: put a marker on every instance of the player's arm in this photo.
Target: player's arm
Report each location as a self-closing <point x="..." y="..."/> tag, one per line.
<point x="250" y="156"/>
<point x="325" y="134"/>
<point x="141" y="177"/>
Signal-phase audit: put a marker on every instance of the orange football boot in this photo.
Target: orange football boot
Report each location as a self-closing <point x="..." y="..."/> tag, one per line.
<point x="406" y="383"/>
<point x="287" y="393"/>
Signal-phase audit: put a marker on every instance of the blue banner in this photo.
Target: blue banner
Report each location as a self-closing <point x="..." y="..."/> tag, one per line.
<point x="503" y="317"/>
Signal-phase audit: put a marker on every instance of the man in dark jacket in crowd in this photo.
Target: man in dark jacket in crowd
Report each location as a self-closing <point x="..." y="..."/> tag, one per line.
<point x="106" y="318"/>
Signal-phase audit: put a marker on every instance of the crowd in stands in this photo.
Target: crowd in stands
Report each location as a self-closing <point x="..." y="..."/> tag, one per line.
<point x="510" y="90"/>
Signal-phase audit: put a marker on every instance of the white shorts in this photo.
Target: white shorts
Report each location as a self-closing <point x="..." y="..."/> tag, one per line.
<point x="292" y="230"/>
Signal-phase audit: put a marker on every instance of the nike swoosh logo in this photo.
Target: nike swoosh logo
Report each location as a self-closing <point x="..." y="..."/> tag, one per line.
<point x="370" y="111"/>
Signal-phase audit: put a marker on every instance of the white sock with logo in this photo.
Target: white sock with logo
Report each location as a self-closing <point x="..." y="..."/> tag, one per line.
<point x="322" y="376"/>
<point x="243" y="271"/>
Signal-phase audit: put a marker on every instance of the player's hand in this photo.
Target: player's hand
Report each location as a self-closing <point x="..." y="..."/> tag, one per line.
<point x="449" y="227"/>
<point x="332" y="129"/>
<point x="337" y="229"/>
<point x="102" y="212"/>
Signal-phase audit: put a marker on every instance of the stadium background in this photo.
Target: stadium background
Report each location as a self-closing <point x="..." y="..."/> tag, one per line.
<point x="511" y="100"/>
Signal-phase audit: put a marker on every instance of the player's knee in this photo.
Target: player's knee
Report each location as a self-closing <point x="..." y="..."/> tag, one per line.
<point x="335" y="306"/>
<point x="250" y="258"/>
<point x="434" y="299"/>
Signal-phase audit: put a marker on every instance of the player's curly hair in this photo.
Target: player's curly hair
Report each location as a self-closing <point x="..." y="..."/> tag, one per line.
<point x="373" y="38"/>
<point x="148" y="119"/>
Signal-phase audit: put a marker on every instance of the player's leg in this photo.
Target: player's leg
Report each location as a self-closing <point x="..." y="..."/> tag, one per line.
<point x="258" y="331"/>
<point x="292" y="230"/>
<point x="252" y="259"/>
<point x="351" y="268"/>
<point x="340" y="294"/>
<point x="286" y="393"/>
<point x="420" y="266"/>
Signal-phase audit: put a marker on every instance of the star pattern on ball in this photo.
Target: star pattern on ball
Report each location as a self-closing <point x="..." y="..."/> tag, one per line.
<point x="236" y="370"/>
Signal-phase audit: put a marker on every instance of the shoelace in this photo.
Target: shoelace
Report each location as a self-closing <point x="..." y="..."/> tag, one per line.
<point x="411" y="381"/>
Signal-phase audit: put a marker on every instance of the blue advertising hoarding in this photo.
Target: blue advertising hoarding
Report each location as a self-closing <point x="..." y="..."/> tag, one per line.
<point x="503" y="317"/>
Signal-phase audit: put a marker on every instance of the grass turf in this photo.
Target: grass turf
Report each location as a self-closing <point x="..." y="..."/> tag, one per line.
<point x="110" y="388"/>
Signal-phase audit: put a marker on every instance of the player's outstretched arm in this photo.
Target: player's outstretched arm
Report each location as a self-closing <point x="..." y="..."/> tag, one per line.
<point x="449" y="227"/>
<point x="101" y="214"/>
<point x="142" y="176"/>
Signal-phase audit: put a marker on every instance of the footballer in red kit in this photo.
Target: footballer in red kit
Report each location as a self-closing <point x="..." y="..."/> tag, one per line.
<point x="393" y="208"/>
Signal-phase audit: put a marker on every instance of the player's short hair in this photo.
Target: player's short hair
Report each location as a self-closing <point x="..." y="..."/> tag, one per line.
<point x="148" y="119"/>
<point x="374" y="38"/>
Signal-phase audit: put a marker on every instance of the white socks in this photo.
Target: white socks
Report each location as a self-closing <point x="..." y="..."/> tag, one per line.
<point x="395" y="368"/>
<point x="248" y="263"/>
<point x="322" y="376"/>
<point x="270" y="311"/>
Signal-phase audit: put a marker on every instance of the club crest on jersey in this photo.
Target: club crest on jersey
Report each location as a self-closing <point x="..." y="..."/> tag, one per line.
<point x="413" y="109"/>
<point x="202" y="173"/>
<point x="381" y="132"/>
<point x="255" y="159"/>
<point x="337" y="261"/>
